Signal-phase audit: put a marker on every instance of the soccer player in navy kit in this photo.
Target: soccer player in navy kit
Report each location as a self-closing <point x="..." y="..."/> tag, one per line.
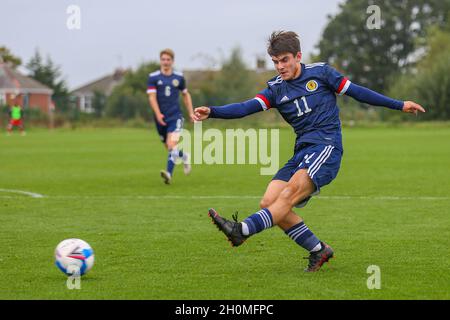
<point x="164" y="87"/>
<point x="305" y="96"/>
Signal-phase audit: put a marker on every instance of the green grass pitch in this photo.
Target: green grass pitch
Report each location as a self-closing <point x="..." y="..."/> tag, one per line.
<point x="389" y="206"/>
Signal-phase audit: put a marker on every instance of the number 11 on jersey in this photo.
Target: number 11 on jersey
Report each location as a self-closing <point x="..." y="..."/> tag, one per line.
<point x="300" y="112"/>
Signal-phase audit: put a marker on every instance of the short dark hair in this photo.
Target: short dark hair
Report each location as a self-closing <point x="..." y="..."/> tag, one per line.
<point x="282" y="42"/>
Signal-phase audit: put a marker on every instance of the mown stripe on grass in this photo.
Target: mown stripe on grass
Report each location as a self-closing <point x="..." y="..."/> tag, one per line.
<point x="199" y="197"/>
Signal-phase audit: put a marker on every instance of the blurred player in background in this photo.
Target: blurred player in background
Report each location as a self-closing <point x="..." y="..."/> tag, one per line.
<point x="15" y="116"/>
<point x="164" y="87"/>
<point x="305" y="96"/>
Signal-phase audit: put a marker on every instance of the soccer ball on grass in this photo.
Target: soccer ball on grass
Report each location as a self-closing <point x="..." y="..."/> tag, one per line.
<point x="74" y="257"/>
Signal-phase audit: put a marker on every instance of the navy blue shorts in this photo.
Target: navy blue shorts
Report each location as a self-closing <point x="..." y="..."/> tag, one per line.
<point x="322" y="161"/>
<point x="175" y="125"/>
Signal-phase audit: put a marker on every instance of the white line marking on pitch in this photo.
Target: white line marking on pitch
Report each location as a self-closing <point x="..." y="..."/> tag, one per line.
<point x="27" y="193"/>
<point x="153" y="197"/>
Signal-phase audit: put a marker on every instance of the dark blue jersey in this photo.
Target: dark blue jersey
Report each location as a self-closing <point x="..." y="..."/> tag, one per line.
<point x="308" y="103"/>
<point x="167" y="90"/>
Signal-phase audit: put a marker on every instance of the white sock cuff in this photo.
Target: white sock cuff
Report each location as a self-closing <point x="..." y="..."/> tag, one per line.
<point x="245" y="230"/>
<point x="317" y="247"/>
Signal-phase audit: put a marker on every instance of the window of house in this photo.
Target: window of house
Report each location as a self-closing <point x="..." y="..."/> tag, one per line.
<point x="88" y="103"/>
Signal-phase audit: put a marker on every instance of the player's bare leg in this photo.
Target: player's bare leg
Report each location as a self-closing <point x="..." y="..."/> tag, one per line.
<point x="171" y="144"/>
<point x="273" y="191"/>
<point x="233" y="229"/>
<point x="270" y="196"/>
<point x="174" y="138"/>
<point x="299" y="187"/>
<point x="279" y="212"/>
<point x="9" y="129"/>
<point x="292" y="224"/>
<point x="22" y="130"/>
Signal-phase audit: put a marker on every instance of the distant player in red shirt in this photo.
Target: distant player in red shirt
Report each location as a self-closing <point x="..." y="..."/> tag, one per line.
<point x="16" y="117"/>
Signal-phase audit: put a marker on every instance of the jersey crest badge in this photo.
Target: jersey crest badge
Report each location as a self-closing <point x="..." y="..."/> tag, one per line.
<point x="311" y="86"/>
<point x="175" y="82"/>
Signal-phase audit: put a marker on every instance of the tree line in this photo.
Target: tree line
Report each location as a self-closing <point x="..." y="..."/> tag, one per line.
<point x="407" y="57"/>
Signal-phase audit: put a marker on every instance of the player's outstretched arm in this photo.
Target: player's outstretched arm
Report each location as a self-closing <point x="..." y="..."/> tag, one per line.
<point x="229" y="111"/>
<point x="373" y="98"/>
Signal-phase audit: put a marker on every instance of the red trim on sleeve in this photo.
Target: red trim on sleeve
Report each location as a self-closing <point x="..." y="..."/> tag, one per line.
<point x="342" y="85"/>
<point x="151" y="88"/>
<point x="263" y="98"/>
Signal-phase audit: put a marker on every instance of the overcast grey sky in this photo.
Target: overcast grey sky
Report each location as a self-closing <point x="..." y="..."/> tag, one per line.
<point x="126" y="33"/>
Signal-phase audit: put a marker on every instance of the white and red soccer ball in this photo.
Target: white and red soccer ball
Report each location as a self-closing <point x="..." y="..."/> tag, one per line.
<point x="74" y="257"/>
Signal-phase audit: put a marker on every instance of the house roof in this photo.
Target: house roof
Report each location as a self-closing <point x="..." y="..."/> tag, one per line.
<point x="11" y="81"/>
<point x="104" y="85"/>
